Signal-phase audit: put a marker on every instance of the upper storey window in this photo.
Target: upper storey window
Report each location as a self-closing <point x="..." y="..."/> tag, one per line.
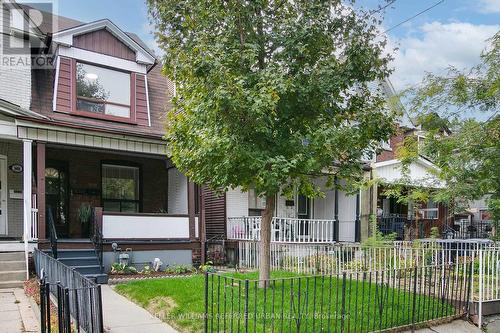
<point x="102" y="90"/>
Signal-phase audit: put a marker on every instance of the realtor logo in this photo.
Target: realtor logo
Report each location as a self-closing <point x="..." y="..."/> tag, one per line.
<point x="25" y="34"/>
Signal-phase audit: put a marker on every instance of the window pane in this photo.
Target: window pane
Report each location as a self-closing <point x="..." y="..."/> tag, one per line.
<point x="117" y="110"/>
<point x="130" y="207"/>
<point x="120" y="182"/>
<point x="302" y="206"/>
<point x="85" y="105"/>
<point x="107" y="85"/>
<point x="111" y="206"/>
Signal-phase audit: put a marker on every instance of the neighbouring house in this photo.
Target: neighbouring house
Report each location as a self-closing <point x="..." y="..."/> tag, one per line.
<point x="85" y="135"/>
<point x="475" y="222"/>
<point x="413" y="219"/>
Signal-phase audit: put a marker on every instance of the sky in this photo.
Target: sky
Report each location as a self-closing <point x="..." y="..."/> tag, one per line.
<point x="452" y="33"/>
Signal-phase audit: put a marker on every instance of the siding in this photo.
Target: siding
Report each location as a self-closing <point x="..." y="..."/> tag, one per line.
<point x="63" y="101"/>
<point x="323" y="208"/>
<point x="177" y="192"/>
<point x="14" y="153"/>
<point x="236" y="203"/>
<point x="141" y="105"/>
<point x="15" y="80"/>
<point x="347" y="216"/>
<point x="215" y="214"/>
<point x="102" y="41"/>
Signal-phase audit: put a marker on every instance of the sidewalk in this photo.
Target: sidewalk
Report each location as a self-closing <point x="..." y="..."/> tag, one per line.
<point x="123" y="316"/>
<point x="16" y="312"/>
<point x="457" y="326"/>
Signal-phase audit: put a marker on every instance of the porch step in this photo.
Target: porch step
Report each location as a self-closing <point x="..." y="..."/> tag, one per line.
<point x="12" y="269"/>
<point x="82" y="261"/>
<point x="12" y="265"/>
<point x="13" y="275"/>
<point x="11" y="284"/>
<point x="101" y="278"/>
<point x="75" y="253"/>
<point x="86" y="270"/>
<point x="11" y="256"/>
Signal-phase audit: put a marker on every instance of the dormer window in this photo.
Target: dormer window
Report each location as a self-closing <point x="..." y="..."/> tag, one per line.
<point x="102" y="91"/>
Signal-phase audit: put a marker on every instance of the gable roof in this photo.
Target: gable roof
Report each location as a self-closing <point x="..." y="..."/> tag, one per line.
<point x="55" y="24"/>
<point x="66" y="37"/>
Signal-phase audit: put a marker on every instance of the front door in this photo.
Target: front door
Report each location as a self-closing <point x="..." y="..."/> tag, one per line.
<point x="56" y="196"/>
<point x="304" y="214"/>
<point x="3" y="196"/>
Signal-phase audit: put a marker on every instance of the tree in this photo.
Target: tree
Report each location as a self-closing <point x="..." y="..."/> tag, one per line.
<point x="467" y="102"/>
<point x="271" y="94"/>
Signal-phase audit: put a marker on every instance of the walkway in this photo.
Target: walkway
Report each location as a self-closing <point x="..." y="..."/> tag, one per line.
<point x="16" y="312"/>
<point x="457" y="326"/>
<point x="123" y="316"/>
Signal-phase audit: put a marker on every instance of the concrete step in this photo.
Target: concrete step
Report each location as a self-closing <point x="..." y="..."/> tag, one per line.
<point x="12" y="266"/>
<point x="80" y="261"/>
<point x="98" y="278"/>
<point x="73" y="253"/>
<point x="91" y="269"/>
<point x="13" y="275"/>
<point x="11" y="284"/>
<point x="11" y="256"/>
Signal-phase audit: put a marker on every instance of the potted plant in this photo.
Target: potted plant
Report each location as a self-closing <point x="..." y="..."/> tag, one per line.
<point x="85" y="216"/>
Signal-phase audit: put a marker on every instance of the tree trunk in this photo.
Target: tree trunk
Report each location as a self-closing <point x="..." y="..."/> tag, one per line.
<point x="265" y="241"/>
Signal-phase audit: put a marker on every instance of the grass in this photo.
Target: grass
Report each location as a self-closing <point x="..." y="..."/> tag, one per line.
<point x="314" y="304"/>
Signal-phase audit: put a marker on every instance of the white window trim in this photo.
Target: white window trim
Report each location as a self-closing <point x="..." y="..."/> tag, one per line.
<point x="101" y="59"/>
<point x="56" y="85"/>
<point x="147" y="99"/>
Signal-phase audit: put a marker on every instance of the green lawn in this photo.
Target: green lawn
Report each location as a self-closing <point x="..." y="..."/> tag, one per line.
<point x="314" y="304"/>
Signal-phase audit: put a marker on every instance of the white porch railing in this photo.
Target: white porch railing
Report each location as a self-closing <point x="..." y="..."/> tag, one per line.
<point x="283" y="229"/>
<point x="33" y="230"/>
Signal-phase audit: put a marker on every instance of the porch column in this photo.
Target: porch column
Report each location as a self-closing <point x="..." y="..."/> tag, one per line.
<point x="191" y="210"/>
<point x="357" y="222"/>
<point x="203" y="230"/>
<point x="27" y="171"/>
<point x="40" y="188"/>
<point x="336" y="212"/>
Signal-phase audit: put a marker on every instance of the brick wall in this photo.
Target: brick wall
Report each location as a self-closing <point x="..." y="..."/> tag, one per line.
<point x="13" y="151"/>
<point x="394" y="143"/>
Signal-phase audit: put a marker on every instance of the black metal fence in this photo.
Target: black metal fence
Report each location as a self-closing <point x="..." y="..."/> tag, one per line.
<point x="349" y="302"/>
<point x="77" y="300"/>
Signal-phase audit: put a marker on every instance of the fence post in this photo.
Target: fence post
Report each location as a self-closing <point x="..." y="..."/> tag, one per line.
<point x="60" y="322"/>
<point x="67" y="320"/>
<point x="469" y="286"/>
<point x="414" y="304"/>
<point x="47" y="305"/>
<point x="246" y="306"/>
<point x="42" y="306"/>
<point x="206" y="302"/>
<point x="99" y="311"/>
<point x="480" y="302"/>
<point x="342" y="317"/>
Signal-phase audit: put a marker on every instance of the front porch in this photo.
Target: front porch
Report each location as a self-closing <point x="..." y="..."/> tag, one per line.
<point x="89" y="199"/>
<point x="142" y="197"/>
